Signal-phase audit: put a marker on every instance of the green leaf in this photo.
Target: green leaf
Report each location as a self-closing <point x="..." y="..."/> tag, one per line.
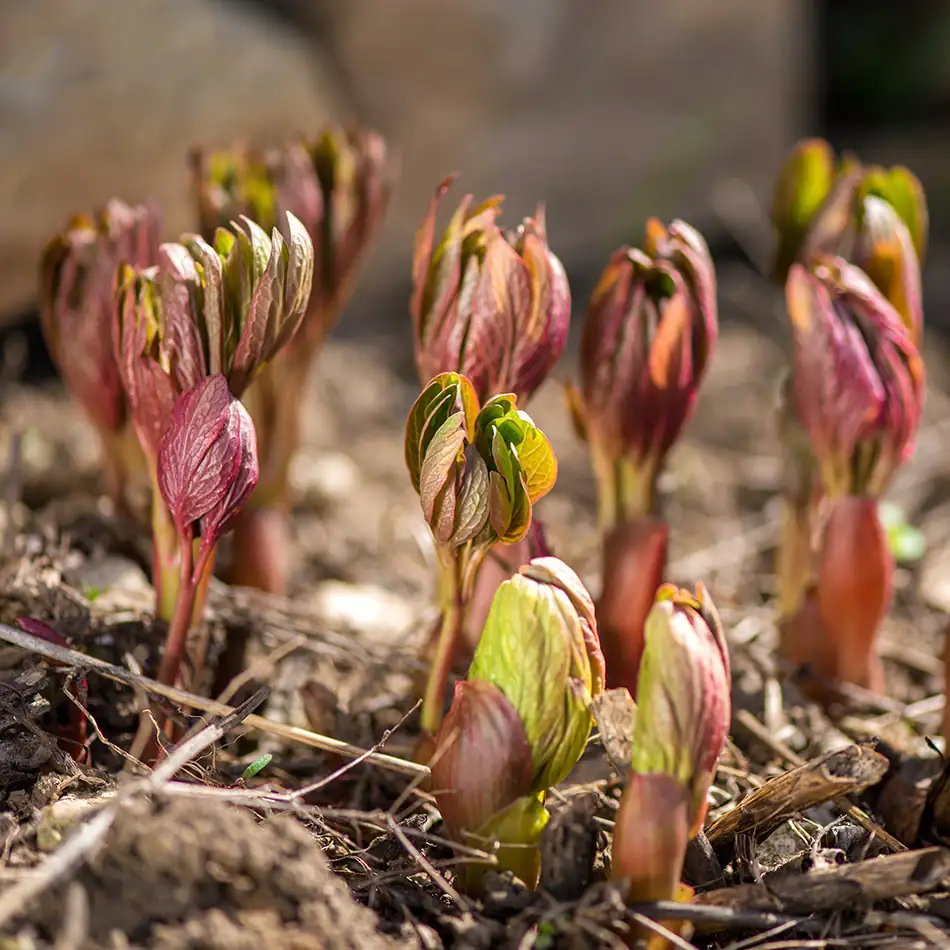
<point x="527" y="651"/>
<point x="443" y="453"/>
<point x="521" y="463"/>
<point x="258" y="765"/>
<point x="472" y="505"/>
<point x="906" y="543"/>
<point x="438" y="396"/>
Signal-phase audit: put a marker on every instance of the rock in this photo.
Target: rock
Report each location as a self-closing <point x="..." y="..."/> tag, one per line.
<point x="102" y="99"/>
<point x="113" y="584"/>
<point x="377" y="614"/>
<point x="609" y="112"/>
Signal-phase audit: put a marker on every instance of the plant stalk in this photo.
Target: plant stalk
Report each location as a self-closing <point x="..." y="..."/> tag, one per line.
<point x="166" y="558"/>
<point x="634" y="560"/>
<point x="626" y="487"/>
<point x="855" y="582"/>
<point x="260" y="541"/>
<point x="450" y="631"/>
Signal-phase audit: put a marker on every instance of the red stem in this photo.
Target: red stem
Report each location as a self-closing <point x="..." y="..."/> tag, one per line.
<point x="854" y="590"/>
<point x="634" y="562"/>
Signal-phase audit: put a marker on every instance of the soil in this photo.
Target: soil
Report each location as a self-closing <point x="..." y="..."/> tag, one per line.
<point x="198" y="866"/>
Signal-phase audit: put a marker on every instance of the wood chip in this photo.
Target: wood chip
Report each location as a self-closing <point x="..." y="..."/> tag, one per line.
<point x="823" y="780"/>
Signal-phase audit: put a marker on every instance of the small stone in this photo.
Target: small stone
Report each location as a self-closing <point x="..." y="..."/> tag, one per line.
<point x="323" y="477"/>
<point x="113" y="583"/>
<point x="374" y="612"/>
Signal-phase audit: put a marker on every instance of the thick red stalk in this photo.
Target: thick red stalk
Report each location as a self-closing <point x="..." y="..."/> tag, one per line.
<point x="855" y="582"/>
<point x="634" y="555"/>
<point x="261" y="549"/>
<point x="651" y="833"/>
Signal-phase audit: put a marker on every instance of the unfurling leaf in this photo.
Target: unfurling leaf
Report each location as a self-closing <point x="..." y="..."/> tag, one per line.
<point x="873" y="217"/>
<point x="336" y="185"/>
<point x="858" y="380"/>
<point x="491" y="305"/>
<point x="223" y="309"/>
<point x="650" y="331"/>
<point x="477" y="472"/>
<point x="78" y="275"/>
<point x="207" y="463"/>
<point x="521" y="464"/>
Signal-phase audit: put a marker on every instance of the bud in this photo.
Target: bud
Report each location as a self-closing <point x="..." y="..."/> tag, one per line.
<point x="483" y="759"/>
<point x="801" y="188"/>
<point x="337" y="184"/>
<point x="540" y="648"/>
<point x="858" y="380"/>
<point x="207" y="463"/>
<point x="684" y="696"/>
<point x="873" y="217"/>
<point x="493" y="306"/>
<point x="477" y="472"/>
<point x="651" y="328"/>
<point x="520" y="722"/>
<point x="207" y="469"/>
<point x="77" y="301"/>
<point x="206" y="309"/>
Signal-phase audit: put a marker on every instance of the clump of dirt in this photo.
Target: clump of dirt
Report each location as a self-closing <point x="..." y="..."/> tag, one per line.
<point x="188" y="874"/>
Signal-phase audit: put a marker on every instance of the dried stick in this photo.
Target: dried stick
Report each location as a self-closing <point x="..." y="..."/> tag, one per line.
<point x="73" y="658"/>
<point x="84" y="840"/>
<point x="884" y="878"/>
<point x="815" y="783"/>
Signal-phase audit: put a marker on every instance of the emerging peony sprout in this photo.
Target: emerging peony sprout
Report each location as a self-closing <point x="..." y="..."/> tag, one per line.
<point x="478" y="472"/>
<point x="225" y="308"/>
<point x="207" y="469"/>
<point x="876" y="219"/>
<point x="873" y="217"/>
<point x="650" y="331"/>
<point x="77" y="307"/>
<point x="519" y="723"/>
<point x="858" y="390"/>
<point x="491" y="305"/>
<point x="338" y="184"/>
<point x="683" y="714"/>
<point x="496" y="307"/>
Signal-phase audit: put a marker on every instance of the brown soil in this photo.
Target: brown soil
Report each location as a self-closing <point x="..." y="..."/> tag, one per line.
<point x="193" y="875"/>
<point x="339" y="656"/>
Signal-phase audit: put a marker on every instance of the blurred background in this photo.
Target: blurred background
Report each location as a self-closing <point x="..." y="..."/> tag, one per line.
<point x="608" y="110"/>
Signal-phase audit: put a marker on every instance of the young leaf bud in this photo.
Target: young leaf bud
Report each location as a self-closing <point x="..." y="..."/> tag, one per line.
<point x="651" y="328"/>
<point x="858" y="380"/>
<point x="207" y="463"/>
<point x="684" y="695"/>
<point x="494" y="306"/>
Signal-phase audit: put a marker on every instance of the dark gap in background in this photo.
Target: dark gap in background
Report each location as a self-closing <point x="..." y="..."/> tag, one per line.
<point x="883" y="65"/>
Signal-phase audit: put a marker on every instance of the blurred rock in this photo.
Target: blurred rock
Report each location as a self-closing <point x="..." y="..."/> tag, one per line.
<point x="106" y="98"/>
<point x="607" y="110"/>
